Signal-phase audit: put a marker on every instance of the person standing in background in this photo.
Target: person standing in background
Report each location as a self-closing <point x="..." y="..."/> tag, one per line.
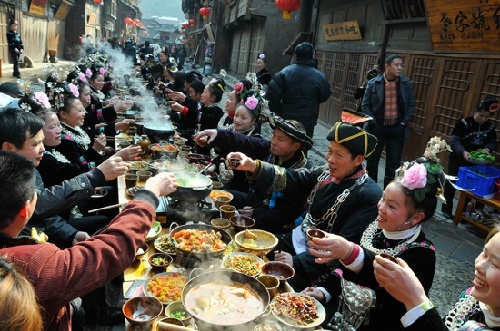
<point x="389" y="99"/>
<point x="16" y="46"/>
<point x="263" y="76"/>
<point x="296" y="92"/>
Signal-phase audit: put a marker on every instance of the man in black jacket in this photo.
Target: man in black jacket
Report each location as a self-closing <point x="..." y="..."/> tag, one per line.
<point x="296" y="91"/>
<point x="16" y="46"/>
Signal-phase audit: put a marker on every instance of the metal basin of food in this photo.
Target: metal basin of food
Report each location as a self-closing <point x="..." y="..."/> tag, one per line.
<point x="159" y="131"/>
<point x="239" y="309"/>
<point x="192" y="186"/>
<point x="199" y="256"/>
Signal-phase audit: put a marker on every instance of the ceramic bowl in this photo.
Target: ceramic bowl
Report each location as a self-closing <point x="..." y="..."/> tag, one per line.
<point x="142" y="311"/>
<point x="160" y="260"/>
<point x="241" y="223"/>
<point x="278" y="269"/>
<point x="142" y="251"/>
<point x="264" y="242"/>
<point x="144" y="175"/>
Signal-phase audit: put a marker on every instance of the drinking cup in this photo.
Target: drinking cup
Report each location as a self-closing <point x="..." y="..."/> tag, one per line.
<point x="227" y="211"/>
<point x="271" y="283"/>
<point x="221" y="201"/>
<point x="131" y="181"/>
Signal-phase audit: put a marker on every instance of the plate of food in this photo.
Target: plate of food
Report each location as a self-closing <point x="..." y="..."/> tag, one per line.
<point x="165" y="245"/>
<point x="166" y="286"/>
<point x="139" y="165"/>
<point x="131" y="191"/>
<point x="298" y="310"/>
<point x="245" y="263"/>
<point x="154" y="231"/>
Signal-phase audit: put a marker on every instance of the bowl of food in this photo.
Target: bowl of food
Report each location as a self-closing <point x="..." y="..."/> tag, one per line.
<point x="220" y="223"/>
<point x="241" y="223"/>
<point x="245" y="263"/>
<point x="154" y="231"/>
<point x="159" y="151"/>
<point x="160" y="260"/>
<point x="279" y="269"/>
<point x="177" y="310"/>
<point x="142" y="311"/>
<point x="141" y="251"/>
<point x="138" y="165"/>
<point x="165" y="245"/>
<point x="256" y="241"/>
<point x="165" y="286"/>
<point x="214" y="194"/>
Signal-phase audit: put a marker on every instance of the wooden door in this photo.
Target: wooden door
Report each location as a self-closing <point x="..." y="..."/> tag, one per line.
<point x="6" y="12"/>
<point x="257" y="45"/>
<point x="246" y="39"/>
<point x="233" y="61"/>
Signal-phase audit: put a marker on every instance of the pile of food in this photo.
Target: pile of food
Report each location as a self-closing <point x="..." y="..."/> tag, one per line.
<point x="167" y="288"/>
<point x="249" y="239"/>
<point x="481" y="155"/>
<point x="166" y="148"/>
<point x="218" y="193"/>
<point x="164" y="244"/>
<point x="199" y="241"/>
<point x="139" y="165"/>
<point x="300" y="309"/>
<point x="160" y="261"/>
<point x="244" y="263"/>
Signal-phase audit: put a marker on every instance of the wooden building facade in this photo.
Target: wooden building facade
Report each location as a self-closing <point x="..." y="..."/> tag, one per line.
<point x="450" y="51"/>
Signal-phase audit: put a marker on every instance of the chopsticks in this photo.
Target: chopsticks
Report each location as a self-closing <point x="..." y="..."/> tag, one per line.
<point x="107" y="207"/>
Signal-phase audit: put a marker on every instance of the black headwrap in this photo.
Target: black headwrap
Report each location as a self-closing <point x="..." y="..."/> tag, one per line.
<point x="291" y="130"/>
<point x="357" y="140"/>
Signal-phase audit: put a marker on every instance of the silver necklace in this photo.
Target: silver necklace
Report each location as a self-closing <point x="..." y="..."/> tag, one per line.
<point x="458" y="314"/>
<point x="371" y="231"/>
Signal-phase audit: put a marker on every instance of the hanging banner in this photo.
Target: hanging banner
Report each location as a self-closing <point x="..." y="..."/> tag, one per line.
<point x="38" y="7"/>
<point x="63" y="10"/>
<point x="348" y="30"/>
<point x="464" y="25"/>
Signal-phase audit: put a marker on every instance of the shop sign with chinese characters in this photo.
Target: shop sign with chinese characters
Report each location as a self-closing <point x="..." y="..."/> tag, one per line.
<point x="464" y="25"/>
<point x="342" y="31"/>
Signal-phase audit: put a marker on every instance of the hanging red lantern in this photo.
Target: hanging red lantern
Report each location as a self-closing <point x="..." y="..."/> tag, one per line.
<point x="287" y="6"/>
<point x="204" y="11"/>
<point x="98" y="1"/>
<point x="128" y="20"/>
<point x="185" y="24"/>
<point x="193" y="21"/>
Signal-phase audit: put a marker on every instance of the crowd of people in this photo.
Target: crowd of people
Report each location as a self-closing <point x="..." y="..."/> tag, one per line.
<point x="373" y="269"/>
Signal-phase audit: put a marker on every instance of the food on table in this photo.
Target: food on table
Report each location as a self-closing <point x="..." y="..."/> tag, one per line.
<point x="160" y="148"/>
<point x="167" y="288"/>
<point x="300" y="309"/>
<point x="138" y="165"/>
<point x="223" y="303"/>
<point x="249" y="235"/>
<point x="191" y="182"/>
<point x="268" y="327"/>
<point x="199" y="241"/>
<point x="160" y="261"/>
<point x="131" y="191"/>
<point x="140" y="251"/>
<point x="164" y="244"/>
<point x="246" y="264"/>
<point x="178" y="314"/>
<point x="249" y="239"/>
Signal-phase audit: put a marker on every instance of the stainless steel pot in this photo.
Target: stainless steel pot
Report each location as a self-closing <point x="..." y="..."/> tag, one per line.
<point x="201" y="257"/>
<point x="228" y="276"/>
<point x="191" y="193"/>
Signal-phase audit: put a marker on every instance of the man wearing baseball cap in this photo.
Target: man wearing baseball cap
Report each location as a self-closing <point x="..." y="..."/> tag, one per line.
<point x="340" y="196"/>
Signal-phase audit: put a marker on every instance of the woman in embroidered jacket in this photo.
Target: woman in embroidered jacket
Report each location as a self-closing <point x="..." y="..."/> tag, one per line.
<point x="407" y="201"/>
<point x="75" y="142"/>
<point x="478" y="305"/>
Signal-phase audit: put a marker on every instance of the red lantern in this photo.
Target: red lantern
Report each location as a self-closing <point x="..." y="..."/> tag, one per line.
<point x="204" y="11"/>
<point x="97" y="1"/>
<point x="185" y="24"/>
<point x="287" y="6"/>
<point x="128" y="20"/>
<point x="193" y="21"/>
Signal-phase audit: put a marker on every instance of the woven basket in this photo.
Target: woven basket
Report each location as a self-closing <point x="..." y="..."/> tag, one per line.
<point x="265" y="242"/>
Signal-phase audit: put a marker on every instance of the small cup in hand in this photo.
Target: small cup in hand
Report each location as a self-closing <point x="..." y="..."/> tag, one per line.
<point x="234" y="162"/>
<point x="315" y="233"/>
<point x="389" y="257"/>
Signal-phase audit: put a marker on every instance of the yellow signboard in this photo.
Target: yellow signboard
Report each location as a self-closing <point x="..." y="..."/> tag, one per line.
<point x="464" y="25"/>
<point x="38" y="7"/>
<point x="348" y="30"/>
